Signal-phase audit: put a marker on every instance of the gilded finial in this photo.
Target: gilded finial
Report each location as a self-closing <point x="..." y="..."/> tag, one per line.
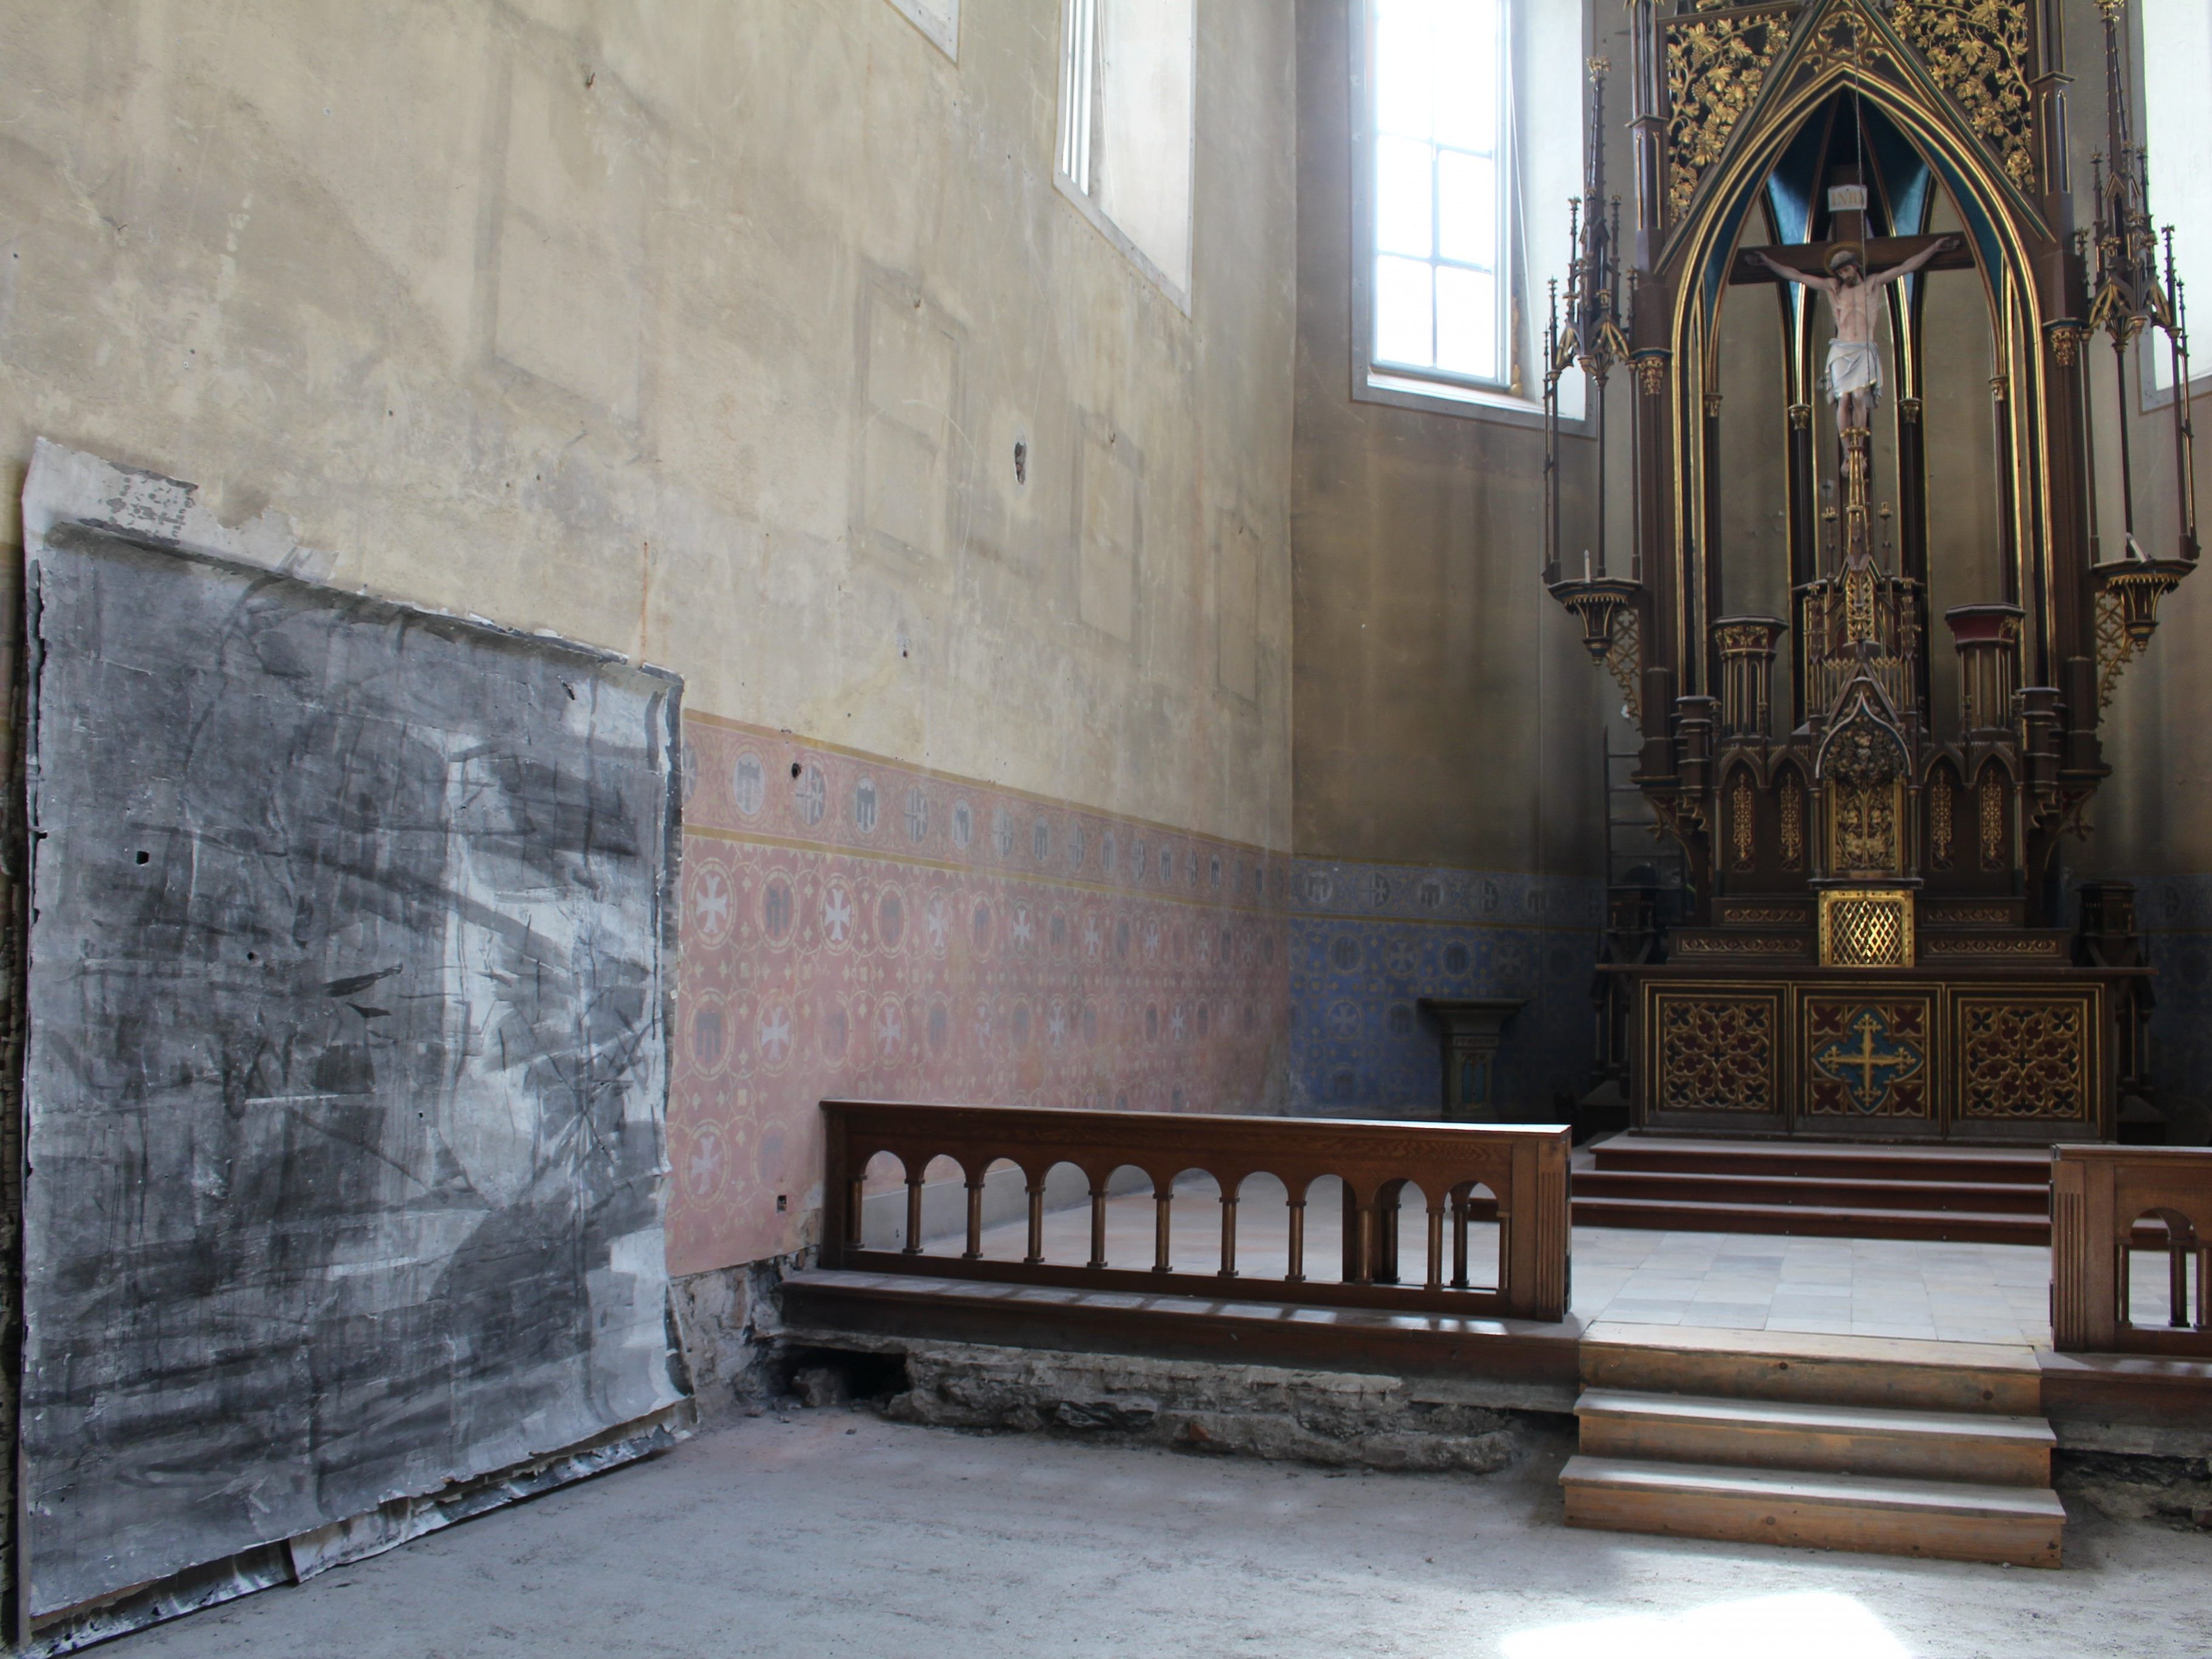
<point x="1599" y="67"/>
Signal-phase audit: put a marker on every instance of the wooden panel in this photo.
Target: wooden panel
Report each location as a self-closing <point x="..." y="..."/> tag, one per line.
<point x="2028" y="1056"/>
<point x="1537" y="1360"/>
<point x="1713" y="1051"/>
<point x="2100" y="1196"/>
<point x="1868" y="1059"/>
<point x="2005" y="1451"/>
<point x="1950" y="1522"/>
<point x="1898" y="1374"/>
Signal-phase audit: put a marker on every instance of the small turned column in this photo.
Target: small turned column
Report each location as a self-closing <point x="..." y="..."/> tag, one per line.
<point x="1988" y="640"/>
<point x="1746" y="646"/>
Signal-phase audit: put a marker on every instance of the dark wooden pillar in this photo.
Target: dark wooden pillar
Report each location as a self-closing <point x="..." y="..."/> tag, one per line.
<point x="1804" y="503"/>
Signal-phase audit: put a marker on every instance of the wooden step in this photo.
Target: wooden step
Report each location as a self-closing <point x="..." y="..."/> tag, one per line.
<point x="1880" y="1514"/>
<point x="1891" y="1373"/>
<point x="2026" y="1166"/>
<point x="1677" y="1215"/>
<point x="1704" y="1187"/>
<point x="1773" y="1434"/>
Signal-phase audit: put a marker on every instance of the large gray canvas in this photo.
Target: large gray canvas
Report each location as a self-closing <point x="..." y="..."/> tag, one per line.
<point x="347" y="1077"/>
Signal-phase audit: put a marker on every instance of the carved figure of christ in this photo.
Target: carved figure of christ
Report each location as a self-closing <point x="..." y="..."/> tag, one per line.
<point x="1854" y="374"/>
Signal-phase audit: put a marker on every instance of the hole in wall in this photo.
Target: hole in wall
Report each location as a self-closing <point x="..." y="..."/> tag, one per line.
<point x="1021" y="461"/>
<point x="833" y="1376"/>
<point x="144" y="857"/>
<point x="794" y="769"/>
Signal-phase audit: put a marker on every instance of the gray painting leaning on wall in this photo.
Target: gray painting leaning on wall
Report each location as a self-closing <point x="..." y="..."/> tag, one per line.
<point x="347" y="1077"/>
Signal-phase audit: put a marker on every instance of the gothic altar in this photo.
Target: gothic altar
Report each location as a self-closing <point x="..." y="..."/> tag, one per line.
<point x="1880" y="569"/>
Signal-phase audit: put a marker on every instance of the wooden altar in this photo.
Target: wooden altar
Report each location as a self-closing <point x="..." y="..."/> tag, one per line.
<point x="1872" y="727"/>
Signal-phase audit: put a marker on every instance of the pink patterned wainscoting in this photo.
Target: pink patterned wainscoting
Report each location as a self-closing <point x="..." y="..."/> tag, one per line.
<point x="852" y="926"/>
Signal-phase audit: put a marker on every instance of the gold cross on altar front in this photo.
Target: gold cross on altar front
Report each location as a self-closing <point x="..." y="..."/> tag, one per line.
<point x="1867" y="1062"/>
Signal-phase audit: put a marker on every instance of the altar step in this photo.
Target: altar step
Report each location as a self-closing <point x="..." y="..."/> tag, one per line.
<point x="1892" y="1448"/>
<point x="1982" y="1195"/>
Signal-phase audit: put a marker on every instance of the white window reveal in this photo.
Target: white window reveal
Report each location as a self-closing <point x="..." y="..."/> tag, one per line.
<point x="1466" y="148"/>
<point x="1440" y="292"/>
<point x="1127" y="127"/>
<point x="2177" y="68"/>
<point x="939" y="20"/>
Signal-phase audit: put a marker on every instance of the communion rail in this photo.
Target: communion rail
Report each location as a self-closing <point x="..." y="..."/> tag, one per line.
<point x="1524" y="1170"/>
<point x="2107" y="1202"/>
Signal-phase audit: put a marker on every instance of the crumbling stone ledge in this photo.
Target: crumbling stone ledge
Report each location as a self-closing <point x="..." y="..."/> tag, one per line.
<point x="1333" y="1419"/>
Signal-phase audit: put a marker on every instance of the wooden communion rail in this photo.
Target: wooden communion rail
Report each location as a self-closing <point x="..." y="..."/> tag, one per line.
<point x="2106" y="1201"/>
<point x="1524" y="1170"/>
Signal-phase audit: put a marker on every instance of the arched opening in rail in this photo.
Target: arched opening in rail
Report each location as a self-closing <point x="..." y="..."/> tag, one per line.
<point x="882" y="1204"/>
<point x="1186" y="1224"/>
<point x="1478" y="1263"/>
<point x="1120" y="1231"/>
<point x="2163" y="1284"/>
<point x="1263" y="1228"/>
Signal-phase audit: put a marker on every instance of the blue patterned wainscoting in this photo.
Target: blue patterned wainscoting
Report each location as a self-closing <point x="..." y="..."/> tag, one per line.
<point x="2175" y="913"/>
<point x="1367" y="941"/>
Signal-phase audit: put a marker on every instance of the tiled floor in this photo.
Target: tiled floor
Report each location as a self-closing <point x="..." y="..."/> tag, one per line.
<point x="1838" y="1287"/>
<point x="1726" y="1281"/>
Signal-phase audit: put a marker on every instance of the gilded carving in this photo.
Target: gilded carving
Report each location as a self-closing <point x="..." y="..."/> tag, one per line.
<point x="1688" y="943"/>
<point x="1716" y="1053"/>
<point x="1715" y="68"/>
<point x="2024" y="1059"/>
<point x="1865" y="820"/>
<point x="1954" y="915"/>
<point x="2047" y="950"/>
<point x="1993" y="820"/>
<point x="1743" y="817"/>
<point x="1866" y="929"/>
<point x="1941" y="795"/>
<point x="1869" y="1059"/>
<point x="1624" y="660"/>
<point x="1861" y="763"/>
<point x="1978" y="51"/>
<point x="1793" y="823"/>
<point x="1754" y="916"/>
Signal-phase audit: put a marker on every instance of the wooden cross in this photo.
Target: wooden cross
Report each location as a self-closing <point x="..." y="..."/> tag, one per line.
<point x="1811" y="258"/>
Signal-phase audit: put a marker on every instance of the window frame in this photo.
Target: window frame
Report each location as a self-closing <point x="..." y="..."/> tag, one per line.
<point x="1515" y="399"/>
<point x="2152" y="395"/>
<point x="1069" y="140"/>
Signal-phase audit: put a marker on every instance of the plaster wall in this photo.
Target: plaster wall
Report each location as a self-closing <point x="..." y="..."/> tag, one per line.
<point x="708" y="334"/>
<point x="1446" y="712"/>
<point x="1447" y="738"/>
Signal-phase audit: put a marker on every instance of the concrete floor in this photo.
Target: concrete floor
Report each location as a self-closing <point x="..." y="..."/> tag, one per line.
<point x="835" y="1533"/>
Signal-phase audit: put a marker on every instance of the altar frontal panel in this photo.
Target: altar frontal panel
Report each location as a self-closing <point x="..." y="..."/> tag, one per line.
<point x="1842" y="1054"/>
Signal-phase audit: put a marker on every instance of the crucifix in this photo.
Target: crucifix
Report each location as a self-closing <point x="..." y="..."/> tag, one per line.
<point x="1839" y="269"/>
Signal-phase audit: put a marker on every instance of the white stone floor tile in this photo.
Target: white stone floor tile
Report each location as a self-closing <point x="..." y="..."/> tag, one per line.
<point x="1845" y="1286"/>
